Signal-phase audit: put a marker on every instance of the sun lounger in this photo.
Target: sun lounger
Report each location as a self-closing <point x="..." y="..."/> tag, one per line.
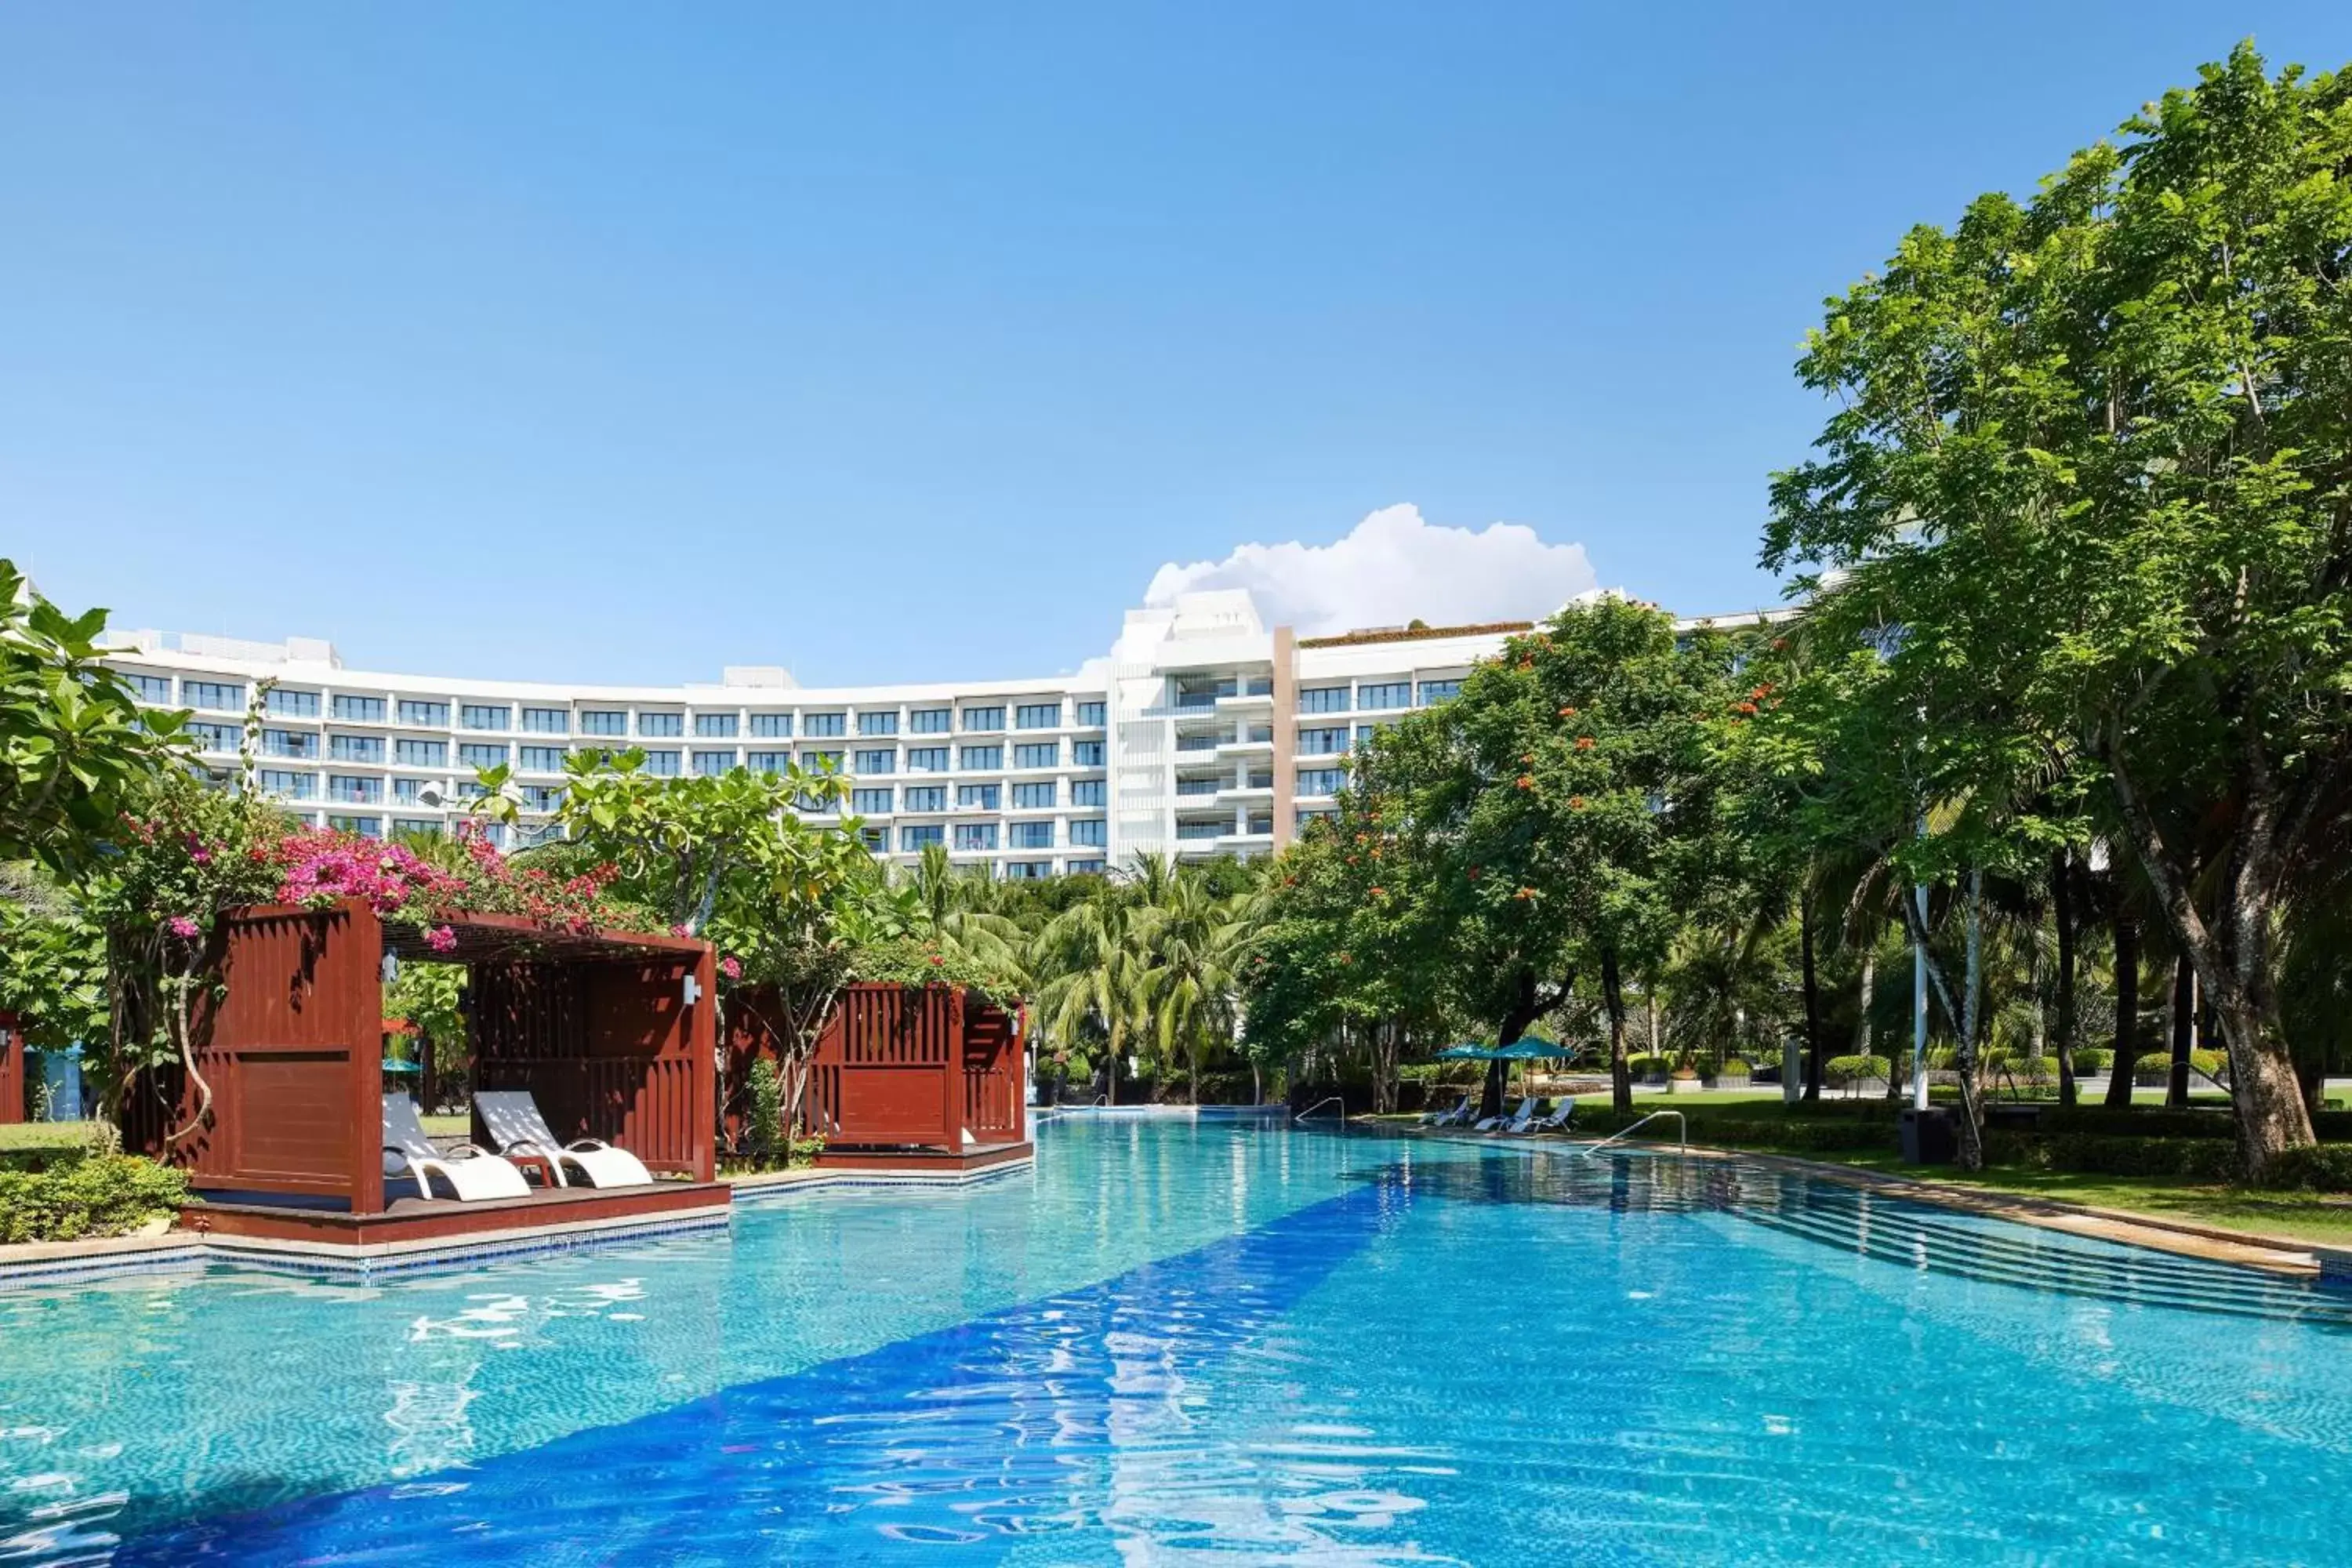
<point x="517" y="1128"/>
<point x="473" y="1175"/>
<point x="1524" y="1114"/>
<point x="1450" y="1117"/>
<point x="1525" y="1119"/>
<point x="1558" y="1122"/>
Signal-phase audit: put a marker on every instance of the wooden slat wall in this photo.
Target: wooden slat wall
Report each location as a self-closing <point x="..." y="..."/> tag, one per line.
<point x="12" y="1071"/>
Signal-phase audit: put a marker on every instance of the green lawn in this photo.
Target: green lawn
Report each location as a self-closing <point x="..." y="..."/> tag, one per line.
<point x="458" y="1126"/>
<point x="17" y="1135"/>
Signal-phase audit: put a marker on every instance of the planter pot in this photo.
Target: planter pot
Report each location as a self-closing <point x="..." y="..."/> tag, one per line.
<point x="1734" y="1080"/>
<point x="1685" y="1086"/>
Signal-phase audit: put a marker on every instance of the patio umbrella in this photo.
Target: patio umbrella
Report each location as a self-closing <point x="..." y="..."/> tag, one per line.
<point x="1467" y="1052"/>
<point x="1531" y="1049"/>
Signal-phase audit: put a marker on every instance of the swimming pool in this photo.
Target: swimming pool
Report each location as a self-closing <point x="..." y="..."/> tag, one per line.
<point x="1174" y="1342"/>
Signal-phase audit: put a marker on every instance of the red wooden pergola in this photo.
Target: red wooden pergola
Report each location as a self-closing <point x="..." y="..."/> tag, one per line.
<point x="901" y="1075"/>
<point x="12" y="1069"/>
<point x="613" y="1034"/>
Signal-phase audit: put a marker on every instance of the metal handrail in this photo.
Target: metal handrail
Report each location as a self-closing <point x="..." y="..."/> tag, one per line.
<point x="1682" y="1134"/>
<point x="1326" y="1099"/>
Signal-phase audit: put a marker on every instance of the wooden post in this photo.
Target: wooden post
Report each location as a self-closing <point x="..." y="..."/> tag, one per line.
<point x="702" y="1046"/>
<point x="363" y="934"/>
<point x="950" y="1050"/>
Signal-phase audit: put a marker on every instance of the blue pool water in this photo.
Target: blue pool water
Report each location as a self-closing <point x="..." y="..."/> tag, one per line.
<point x="1175" y="1343"/>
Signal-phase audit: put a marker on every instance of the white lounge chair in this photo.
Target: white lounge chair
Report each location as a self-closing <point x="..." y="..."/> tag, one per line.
<point x="473" y="1175"/>
<point x="517" y="1128"/>
<point x="1561" y="1115"/>
<point x="1526" y="1114"/>
<point x="1449" y="1117"/>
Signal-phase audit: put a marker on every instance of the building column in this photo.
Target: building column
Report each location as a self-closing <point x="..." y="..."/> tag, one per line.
<point x="1285" y="736"/>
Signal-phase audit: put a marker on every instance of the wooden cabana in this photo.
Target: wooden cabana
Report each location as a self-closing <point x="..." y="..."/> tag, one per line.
<point x="14" y="1072"/>
<point x="901" y="1078"/>
<point x="613" y="1034"/>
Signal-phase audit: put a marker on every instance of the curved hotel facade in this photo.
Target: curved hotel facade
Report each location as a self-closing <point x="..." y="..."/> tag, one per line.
<point x="1202" y="733"/>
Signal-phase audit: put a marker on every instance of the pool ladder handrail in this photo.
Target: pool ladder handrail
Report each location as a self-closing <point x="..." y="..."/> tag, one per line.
<point x="1682" y="1132"/>
<point x="1328" y="1099"/>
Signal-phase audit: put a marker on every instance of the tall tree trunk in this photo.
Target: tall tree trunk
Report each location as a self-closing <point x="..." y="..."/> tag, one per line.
<point x="1864" y="1033"/>
<point x="2127" y="1040"/>
<point x="2184" y="1032"/>
<point x="1110" y="1095"/>
<point x="1612" y="996"/>
<point x="2062" y="902"/>
<point x="1812" y="986"/>
<point x="1972" y="1024"/>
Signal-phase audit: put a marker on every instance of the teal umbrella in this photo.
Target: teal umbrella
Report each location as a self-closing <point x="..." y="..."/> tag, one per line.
<point x="1467" y="1052"/>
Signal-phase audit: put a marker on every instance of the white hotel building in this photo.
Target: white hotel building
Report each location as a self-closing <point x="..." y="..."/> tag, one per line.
<point x="1203" y="733"/>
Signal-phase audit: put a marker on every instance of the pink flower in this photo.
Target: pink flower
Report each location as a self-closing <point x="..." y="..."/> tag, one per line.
<point x="732" y="967"/>
<point x="679" y="931"/>
<point x="441" y="939"/>
<point x="184" y="928"/>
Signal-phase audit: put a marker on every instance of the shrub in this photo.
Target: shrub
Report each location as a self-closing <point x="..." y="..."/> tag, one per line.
<point x="1649" y="1065"/>
<point x="1733" y="1067"/>
<point x="763" y="1131"/>
<point x="2322" y="1168"/>
<point x="1843" y="1071"/>
<point x="2091" y="1061"/>
<point x="102" y="1194"/>
<point x="2093" y="1153"/>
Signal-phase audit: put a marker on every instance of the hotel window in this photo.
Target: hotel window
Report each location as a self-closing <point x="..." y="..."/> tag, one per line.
<point x="713" y="765"/>
<point x="1086" y="753"/>
<point x="1309" y="819"/>
<point x="365" y="826"/>
<point x="1038" y="716"/>
<point x="875" y="839"/>
<point x="880" y="761"/>
<point x="289" y="744"/>
<point x="717" y="725"/>
<point x="1038" y="754"/>
<point x="215" y="737"/>
<point x="661" y="764"/>
<point x="870" y="802"/>
<point x="767" y="762"/>
<point x="920" y="836"/>
<point x="403" y="791"/>
<point x="480" y="754"/>
<point x="604" y="722"/>
<point x="1033" y="796"/>
<point x="772" y="726"/>
<point x="878" y="723"/>
<point x="1085" y="868"/>
<point x="975" y="835"/>
<point x="541" y="759"/>
<point x="1323" y="700"/>
<point x="1090" y="715"/>
<point x="981" y="758"/>
<point x="1032" y="835"/>
<point x="1320" y="780"/>
<point x="543" y="797"/>
<point x="830" y="761"/>
<point x="817" y="726"/>
<point x="287" y="704"/>
<point x="1439" y="691"/>
<point x="293" y="787"/>
<point x="469" y="789"/>
<point x="1091" y="832"/>
<point x="148" y="687"/>
<point x="482" y="716"/>
<point x="1323" y="742"/>
<point x="1088" y="791"/>
<point x="496" y="832"/>
<point x="661" y="725"/>
<point x="355" y="789"/>
<point x="360" y="710"/>
<point x="1364" y="732"/>
<point x="423" y="826"/>
<point x="927" y="759"/>
<point x="921" y="721"/>
<point x="983" y="718"/>
<point x="421" y="753"/>
<point x="927" y="797"/>
<point x="547" y="720"/>
<point x="353" y="748"/>
<point x="1387" y="694"/>
<point x="984" y="796"/>
<point x="430" y="715"/>
<point x="218" y="696"/>
<point x="1028" y="871"/>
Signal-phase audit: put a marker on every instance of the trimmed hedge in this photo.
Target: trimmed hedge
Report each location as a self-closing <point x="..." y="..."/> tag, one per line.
<point x="2325" y="1168"/>
<point x="102" y="1194"/>
<point x="2093" y="1153"/>
<point x="1842" y="1071"/>
<point x="2091" y="1061"/>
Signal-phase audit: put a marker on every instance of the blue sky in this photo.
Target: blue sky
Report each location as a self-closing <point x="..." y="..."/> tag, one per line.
<point x="622" y="342"/>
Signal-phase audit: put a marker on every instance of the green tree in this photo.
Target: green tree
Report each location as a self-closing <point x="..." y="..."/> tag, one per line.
<point x="2112" y="427"/>
<point x="74" y="745"/>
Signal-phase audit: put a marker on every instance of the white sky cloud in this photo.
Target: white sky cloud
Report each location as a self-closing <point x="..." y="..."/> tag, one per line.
<point x="1392" y="568"/>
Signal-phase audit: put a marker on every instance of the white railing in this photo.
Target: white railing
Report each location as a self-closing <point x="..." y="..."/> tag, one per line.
<point x="1682" y="1132"/>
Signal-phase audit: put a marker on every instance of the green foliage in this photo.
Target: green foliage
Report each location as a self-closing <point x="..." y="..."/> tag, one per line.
<point x="2322" y="1168"/>
<point x="2090" y="1153"/>
<point x="74" y="746"/>
<point x="2093" y="1061"/>
<point x="99" y="1194"/>
<point x="764" y="1119"/>
<point x="427" y="995"/>
<point x="52" y="966"/>
<point x="1844" y="1072"/>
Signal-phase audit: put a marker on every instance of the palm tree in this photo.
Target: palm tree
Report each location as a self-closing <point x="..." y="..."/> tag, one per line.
<point x="1093" y="958"/>
<point x="1191" y="986"/>
<point x="952" y="907"/>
